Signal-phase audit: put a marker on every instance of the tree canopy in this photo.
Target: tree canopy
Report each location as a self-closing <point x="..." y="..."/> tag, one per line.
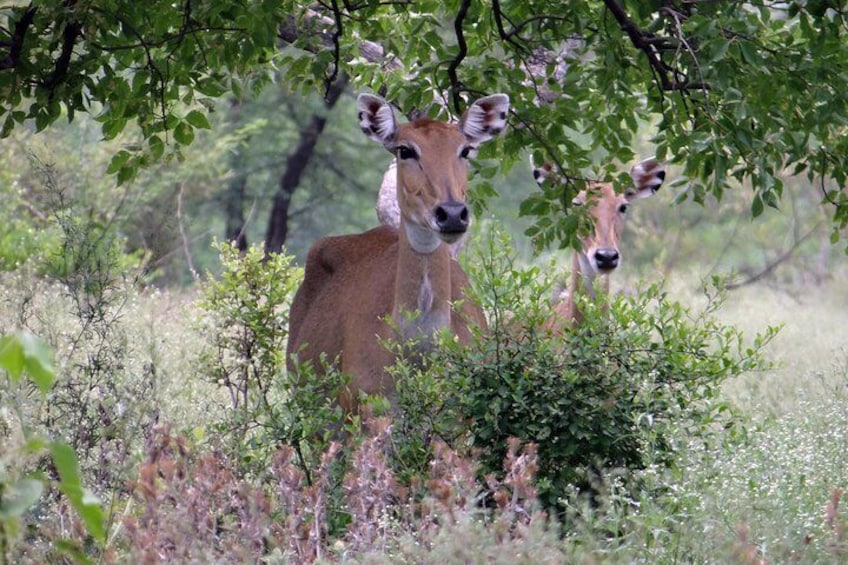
<point x="734" y="92"/>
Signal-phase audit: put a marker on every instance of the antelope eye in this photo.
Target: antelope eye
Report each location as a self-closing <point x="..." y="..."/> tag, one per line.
<point x="404" y="153"/>
<point x="577" y="202"/>
<point x="467" y="152"/>
<point x="622" y="209"/>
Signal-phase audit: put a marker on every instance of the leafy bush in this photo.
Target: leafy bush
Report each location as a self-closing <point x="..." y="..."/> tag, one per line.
<point x="22" y="354"/>
<point x="246" y="325"/>
<point x="96" y="406"/>
<point x="610" y="394"/>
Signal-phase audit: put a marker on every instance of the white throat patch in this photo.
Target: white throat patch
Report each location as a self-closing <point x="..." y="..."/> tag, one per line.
<point x="422" y="240"/>
<point x="587" y="274"/>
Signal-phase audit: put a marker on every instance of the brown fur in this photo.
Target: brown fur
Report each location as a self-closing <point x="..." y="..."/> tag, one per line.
<point x="361" y="290"/>
<point x="337" y="270"/>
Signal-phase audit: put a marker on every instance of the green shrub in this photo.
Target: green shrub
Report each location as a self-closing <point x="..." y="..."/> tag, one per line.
<point x="98" y="406"/>
<point x="21" y="354"/>
<point x="246" y="325"/>
<point x="610" y="394"/>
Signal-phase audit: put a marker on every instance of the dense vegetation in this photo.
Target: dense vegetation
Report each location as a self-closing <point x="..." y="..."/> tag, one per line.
<point x="735" y="92"/>
<point x="175" y="426"/>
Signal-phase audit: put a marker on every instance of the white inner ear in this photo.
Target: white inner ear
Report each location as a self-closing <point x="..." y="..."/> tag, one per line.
<point x="385" y="122"/>
<point x="647" y="177"/>
<point x="380" y="124"/>
<point x="485" y="118"/>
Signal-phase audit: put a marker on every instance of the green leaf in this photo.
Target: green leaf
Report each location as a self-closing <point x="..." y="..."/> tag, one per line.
<point x="82" y="500"/>
<point x="72" y="550"/>
<point x="184" y="133"/>
<point x="38" y="360"/>
<point x="117" y="162"/>
<point x="198" y="119"/>
<point x="42" y="120"/>
<point x="757" y="206"/>
<point x="157" y="146"/>
<point x="19" y="497"/>
<point x="127" y="173"/>
<point x="23" y="351"/>
<point x="8" y="126"/>
<point x="12" y="356"/>
<point x="112" y="127"/>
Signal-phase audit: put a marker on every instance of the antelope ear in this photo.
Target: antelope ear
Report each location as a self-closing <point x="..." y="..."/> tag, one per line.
<point x="485" y="118"/>
<point x="542" y="172"/>
<point x="647" y="177"/>
<point x="377" y="119"/>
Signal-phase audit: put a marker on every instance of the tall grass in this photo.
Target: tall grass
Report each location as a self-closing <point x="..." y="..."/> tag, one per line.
<point x="810" y="350"/>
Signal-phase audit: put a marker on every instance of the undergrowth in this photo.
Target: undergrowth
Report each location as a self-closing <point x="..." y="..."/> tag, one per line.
<point x="610" y="444"/>
<point x="612" y="395"/>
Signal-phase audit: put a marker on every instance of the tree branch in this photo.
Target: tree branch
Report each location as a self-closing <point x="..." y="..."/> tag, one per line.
<point x="296" y="163"/>
<point x="499" y="17"/>
<point x="651" y="46"/>
<point x="17" y="43"/>
<point x="72" y="31"/>
<point x="768" y="269"/>
<point x="456" y="85"/>
<point x="337" y="33"/>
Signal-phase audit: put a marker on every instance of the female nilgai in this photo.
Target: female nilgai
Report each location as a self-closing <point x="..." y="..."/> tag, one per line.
<point x="599" y="254"/>
<point x="354" y="283"/>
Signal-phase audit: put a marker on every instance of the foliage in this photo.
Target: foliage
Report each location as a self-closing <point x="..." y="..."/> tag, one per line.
<point x="91" y="268"/>
<point x="150" y="64"/>
<point x="246" y="326"/>
<point x="193" y="507"/>
<point x="735" y="91"/>
<point x="699" y="71"/>
<point x="249" y="326"/>
<point x="166" y="218"/>
<point x="792" y="469"/>
<point x="770" y="491"/>
<point x="22" y="353"/>
<point x="772" y="494"/>
<point x="26" y="232"/>
<point x="338" y="188"/>
<point x="609" y="394"/>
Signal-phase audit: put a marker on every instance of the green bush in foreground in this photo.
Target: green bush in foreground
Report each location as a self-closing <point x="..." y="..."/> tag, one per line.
<point x="21" y="354"/>
<point x="610" y="394"/>
<point x="246" y="327"/>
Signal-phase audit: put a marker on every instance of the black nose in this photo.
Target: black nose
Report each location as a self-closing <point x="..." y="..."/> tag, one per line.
<point x="606" y="258"/>
<point x="452" y="217"/>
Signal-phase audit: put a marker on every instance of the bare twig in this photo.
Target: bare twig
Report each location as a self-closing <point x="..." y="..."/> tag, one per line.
<point x="768" y="269"/>
<point x="183" y="235"/>
<point x="650" y="45"/>
<point x="502" y="33"/>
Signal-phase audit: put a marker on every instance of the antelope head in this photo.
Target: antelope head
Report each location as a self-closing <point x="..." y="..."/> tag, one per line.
<point x="599" y="253"/>
<point x="432" y="164"/>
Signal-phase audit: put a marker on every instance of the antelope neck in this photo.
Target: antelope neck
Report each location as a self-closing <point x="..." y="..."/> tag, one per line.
<point x="422" y="284"/>
<point x="583" y="275"/>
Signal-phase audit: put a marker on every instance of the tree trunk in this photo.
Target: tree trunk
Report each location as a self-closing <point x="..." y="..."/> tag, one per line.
<point x="234" y="197"/>
<point x="278" y="223"/>
<point x="234" y="211"/>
